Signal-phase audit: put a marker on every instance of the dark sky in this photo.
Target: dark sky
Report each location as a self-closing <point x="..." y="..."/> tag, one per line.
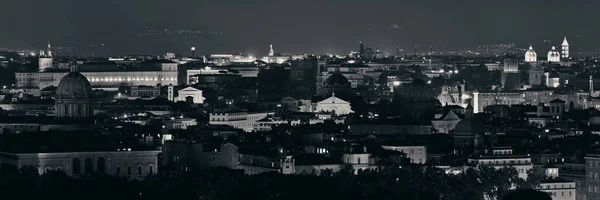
<point x="294" y="26"/>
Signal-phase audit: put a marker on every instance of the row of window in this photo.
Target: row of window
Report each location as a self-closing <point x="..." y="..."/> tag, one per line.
<point x="512" y="162"/>
<point x="562" y="194"/>
<point x="116" y="79"/>
<point x="101" y="167"/>
<point x="593" y="175"/>
<point x="594" y="189"/>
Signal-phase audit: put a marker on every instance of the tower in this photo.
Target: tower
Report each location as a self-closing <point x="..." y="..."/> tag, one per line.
<point x="591" y="85"/>
<point x="193" y="49"/>
<point x="415" y="50"/>
<point x="49" y="50"/>
<point x="510" y="77"/>
<point x="45" y="58"/>
<point x="469" y="112"/>
<point x="170" y="92"/>
<point x="271" y="51"/>
<point x="361" y="50"/>
<point x="565" y="49"/>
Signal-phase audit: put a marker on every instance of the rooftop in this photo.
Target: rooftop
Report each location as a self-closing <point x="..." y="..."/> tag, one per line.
<point x="57" y="142"/>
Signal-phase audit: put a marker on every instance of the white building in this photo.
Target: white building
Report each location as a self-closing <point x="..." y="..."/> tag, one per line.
<point x="504" y="157"/>
<point x="124" y="163"/>
<point x="530" y="55"/>
<point x="188" y="94"/>
<point x="416" y="154"/>
<point x="180" y="123"/>
<point x="278" y="59"/>
<point x="335" y="105"/>
<point x="553" y="55"/>
<point x="45" y="58"/>
<point x="558" y="188"/>
<point x="238" y="119"/>
<point x="160" y="73"/>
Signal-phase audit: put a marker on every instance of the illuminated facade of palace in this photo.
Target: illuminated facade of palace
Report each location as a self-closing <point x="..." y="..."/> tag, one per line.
<point x="163" y="74"/>
<point x="531" y="97"/>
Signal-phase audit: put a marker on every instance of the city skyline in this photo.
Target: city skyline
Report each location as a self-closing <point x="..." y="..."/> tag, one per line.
<point x="136" y="27"/>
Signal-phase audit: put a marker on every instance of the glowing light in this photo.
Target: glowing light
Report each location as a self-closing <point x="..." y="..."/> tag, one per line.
<point x="456" y="71"/>
<point x="555" y="84"/>
<point x="193" y="48"/>
<point x="396" y="83"/>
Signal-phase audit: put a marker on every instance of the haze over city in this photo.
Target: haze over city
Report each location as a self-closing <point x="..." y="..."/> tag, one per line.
<point x="129" y="27"/>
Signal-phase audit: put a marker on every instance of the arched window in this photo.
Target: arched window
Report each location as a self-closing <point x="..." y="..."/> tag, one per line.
<point x="117" y="170"/>
<point x="66" y="110"/>
<point x="139" y="170"/>
<point x="189" y="99"/>
<point x="58" y="168"/>
<point x="128" y="170"/>
<point x="150" y="169"/>
<point x="80" y="110"/>
<point x="76" y="166"/>
<point x="47" y="169"/>
<point x="101" y="165"/>
<point x="89" y="165"/>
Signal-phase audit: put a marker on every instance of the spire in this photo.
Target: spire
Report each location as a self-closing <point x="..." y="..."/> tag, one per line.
<point x="565" y="43"/>
<point x="530" y="47"/>
<point x="591" y="85"/>
<point x="271" y="51"/>
<point x="333" y="94"/>
<point x="469" y="111"/>
<point x="49" y="50"/>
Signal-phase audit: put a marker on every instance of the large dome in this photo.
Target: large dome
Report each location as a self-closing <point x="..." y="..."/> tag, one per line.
<point x="530" y="55"/>
<point x="553" y="55"/>
<point x="74" y="86"/>
<point x="337" y="79"/>
<point x="468" y="127"/>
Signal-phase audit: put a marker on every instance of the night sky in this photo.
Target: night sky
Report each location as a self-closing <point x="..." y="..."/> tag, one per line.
<point x="293" y="26"/>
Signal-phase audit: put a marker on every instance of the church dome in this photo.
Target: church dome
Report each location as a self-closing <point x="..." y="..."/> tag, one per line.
<point x="553" y="55"/>
<point x="337" y="79"/>
<point x="468" y="127"/>
<point x="74" y="86"/>
<point x="530" y="55"/>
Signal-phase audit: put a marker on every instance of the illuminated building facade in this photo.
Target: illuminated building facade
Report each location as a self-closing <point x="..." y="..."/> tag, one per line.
<point x="161" y="73"/>
<point x="553" y="55"/>
<point x="530" y="55"/>
<point x="531" y="97"/>
<point x="565" y="49"/>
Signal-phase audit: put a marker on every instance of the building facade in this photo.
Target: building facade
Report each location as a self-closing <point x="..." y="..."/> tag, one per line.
<point x="124" y="163"/>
